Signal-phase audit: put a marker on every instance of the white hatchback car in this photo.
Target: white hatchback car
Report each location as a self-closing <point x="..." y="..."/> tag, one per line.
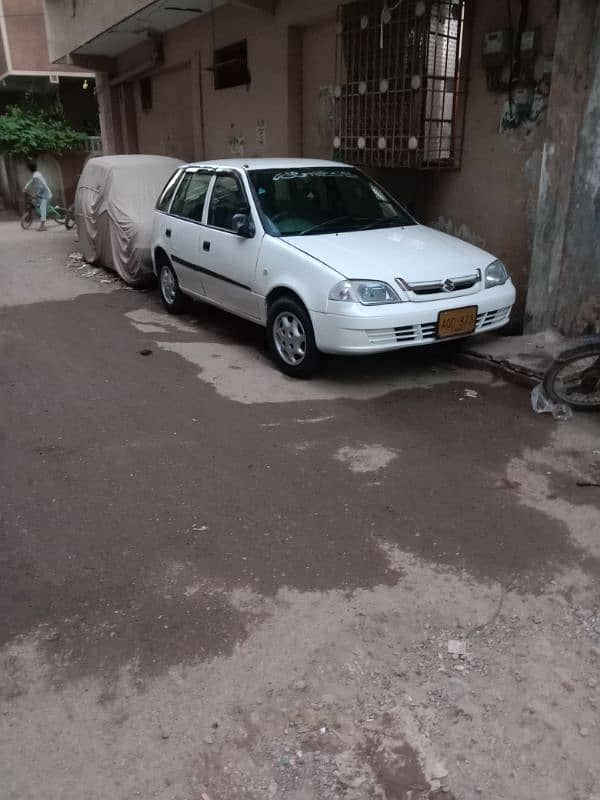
<point x="322" y="256"/>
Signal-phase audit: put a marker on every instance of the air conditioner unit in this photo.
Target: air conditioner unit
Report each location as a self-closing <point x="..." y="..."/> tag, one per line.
<point x="54" y="78"/>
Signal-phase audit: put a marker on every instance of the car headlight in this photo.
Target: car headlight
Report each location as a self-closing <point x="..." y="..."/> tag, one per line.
<point x="495" y="274"/>
<point x="369" y="293"/>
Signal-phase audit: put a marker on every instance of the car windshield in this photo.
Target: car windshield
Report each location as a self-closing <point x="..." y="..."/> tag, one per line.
<point x="319" y="200"/>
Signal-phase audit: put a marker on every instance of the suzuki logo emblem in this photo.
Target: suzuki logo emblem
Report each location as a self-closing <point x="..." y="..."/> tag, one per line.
<point x="448" y="285"/>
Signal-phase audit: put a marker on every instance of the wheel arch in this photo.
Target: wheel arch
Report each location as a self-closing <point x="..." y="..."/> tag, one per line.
<point x="283" y="291"/>
<point x="160" y="257"/>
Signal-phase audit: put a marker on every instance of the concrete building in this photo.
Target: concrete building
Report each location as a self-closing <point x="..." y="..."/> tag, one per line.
<point x="479" y="115"/>
<point x="28" y="75"/>
<point x="25" y="66"/>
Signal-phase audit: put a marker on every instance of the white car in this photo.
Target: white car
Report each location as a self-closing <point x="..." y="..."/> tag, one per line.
<point x="322" y="256"/>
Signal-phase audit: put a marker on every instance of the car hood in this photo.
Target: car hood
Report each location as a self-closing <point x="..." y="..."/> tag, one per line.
<point x="415" y="253"/>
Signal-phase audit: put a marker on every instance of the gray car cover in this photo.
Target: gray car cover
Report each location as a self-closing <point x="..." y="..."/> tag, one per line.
<point x="113" y="211"/>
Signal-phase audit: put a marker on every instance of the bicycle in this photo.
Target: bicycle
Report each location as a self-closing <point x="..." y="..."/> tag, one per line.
<point x="574" y="376"/>
<point x="62" y="216"/>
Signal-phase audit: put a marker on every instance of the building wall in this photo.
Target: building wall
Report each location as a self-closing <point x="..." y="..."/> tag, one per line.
<point x="317" y="90"/>
<point x="167" y="127"/>
<point x="492" y="200"/>
<point x="564" y="281"/>
<point x="26" y="34"/>
<point x="3" y="43"/>
<point x="24" y="20"/>
<point x="70" y="24"/>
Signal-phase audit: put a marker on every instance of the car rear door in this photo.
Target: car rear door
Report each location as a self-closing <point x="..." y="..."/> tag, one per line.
<point x="183" y="228"/>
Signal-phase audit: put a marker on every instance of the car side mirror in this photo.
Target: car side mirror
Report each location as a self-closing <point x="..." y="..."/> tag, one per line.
<point x="242" y="225"/>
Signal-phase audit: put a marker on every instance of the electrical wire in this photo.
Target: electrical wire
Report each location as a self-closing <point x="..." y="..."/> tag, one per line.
<point x="381" y="22"/>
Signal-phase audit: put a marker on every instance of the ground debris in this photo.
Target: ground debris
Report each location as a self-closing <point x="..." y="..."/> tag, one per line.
<point x="457" y="647"/>
<point x="77" y="262"/>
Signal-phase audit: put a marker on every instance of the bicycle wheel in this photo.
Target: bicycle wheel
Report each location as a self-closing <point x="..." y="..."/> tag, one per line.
<point x="70" y="218"/>
<point x="26" y="220"/>
<point x="574" y="378"/>
<point x="59" y="214"/>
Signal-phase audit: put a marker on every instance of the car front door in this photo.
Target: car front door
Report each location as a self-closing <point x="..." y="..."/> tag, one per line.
<point x="227" y="258"/>
<point x="184" y="229"/>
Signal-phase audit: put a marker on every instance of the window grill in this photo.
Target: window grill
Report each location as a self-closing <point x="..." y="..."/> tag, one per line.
<point x="400" y="85"/>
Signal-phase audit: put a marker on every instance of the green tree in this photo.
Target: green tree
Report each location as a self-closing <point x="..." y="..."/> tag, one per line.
<point x="27" y="132"/>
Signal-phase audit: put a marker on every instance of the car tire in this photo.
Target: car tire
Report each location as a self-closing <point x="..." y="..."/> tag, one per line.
<point x="173" y="299"/>
<point x="291" y="338"/>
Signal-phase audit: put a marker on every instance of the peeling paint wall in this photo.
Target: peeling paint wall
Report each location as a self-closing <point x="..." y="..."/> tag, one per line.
<point x="491" y="201"/>
<point x="564" y="268"/>
<point x="578" y="296"/>
<point x="447" y="225"/>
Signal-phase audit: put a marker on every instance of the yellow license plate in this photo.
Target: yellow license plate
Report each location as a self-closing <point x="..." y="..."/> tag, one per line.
<point x="457" y="322"/>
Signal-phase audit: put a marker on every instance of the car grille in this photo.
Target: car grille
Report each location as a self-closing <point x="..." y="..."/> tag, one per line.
<point x="426" y="332"/>
<point x="442" y="286"/>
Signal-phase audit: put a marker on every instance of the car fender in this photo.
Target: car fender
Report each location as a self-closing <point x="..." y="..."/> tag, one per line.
<point x="283" y="266"/>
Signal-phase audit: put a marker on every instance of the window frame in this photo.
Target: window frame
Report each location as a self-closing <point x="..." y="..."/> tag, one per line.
<point x="237" y="176"/>
<point x="224" y="58"/>
<point x="192" y="171"/>
<point x="178" y="176"/>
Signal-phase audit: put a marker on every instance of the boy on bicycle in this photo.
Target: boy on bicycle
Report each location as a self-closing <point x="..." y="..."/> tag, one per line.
<point x="38" y="188"/>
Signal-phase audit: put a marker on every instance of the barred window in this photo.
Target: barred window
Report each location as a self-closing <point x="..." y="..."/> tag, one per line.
<point x="400" y="83"/>
<point x="230" y="66"/>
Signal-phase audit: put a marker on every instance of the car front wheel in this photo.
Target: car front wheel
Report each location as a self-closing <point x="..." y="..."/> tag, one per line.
<point x="173" y="298"/>
<point x="291" y="338"/>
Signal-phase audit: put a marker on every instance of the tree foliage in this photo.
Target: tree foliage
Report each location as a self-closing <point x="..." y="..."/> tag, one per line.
<point x="27" y="132"/>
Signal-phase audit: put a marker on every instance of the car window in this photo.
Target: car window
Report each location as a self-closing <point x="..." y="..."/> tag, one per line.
<point x="324" y="200"/>
<point x="168" y="192"/>
<point x="190" y="197"/>
<point x="177" y="206"/>
<point x="227" y="199"/>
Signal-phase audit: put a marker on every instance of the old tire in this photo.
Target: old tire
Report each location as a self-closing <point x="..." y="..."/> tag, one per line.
<point x="574" y="378"/>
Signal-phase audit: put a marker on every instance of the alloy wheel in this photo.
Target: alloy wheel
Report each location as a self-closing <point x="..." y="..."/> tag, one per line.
<point x="167" y="285"/>
<point x="290" y="338"/>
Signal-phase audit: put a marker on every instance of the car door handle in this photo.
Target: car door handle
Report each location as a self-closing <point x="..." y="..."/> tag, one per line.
<point x="168" y="233"/>
<point x="206" y="246"/>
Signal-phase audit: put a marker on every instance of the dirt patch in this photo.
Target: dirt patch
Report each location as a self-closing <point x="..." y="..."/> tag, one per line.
<point x="336" y="696"/>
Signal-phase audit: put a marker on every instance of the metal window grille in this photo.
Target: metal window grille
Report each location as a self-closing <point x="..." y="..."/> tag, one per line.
<point x="400" y="85"/>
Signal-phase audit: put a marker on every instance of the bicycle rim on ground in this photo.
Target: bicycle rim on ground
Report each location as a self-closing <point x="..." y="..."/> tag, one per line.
<point x="578" y="381"/>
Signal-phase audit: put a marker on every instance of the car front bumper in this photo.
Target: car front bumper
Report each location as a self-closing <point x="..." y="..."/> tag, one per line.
<point x="381" y="328"/>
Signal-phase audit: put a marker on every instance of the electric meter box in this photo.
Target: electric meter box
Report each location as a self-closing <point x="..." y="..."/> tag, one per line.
<point x="529" y="44"/>
<point x="496" y="49"/>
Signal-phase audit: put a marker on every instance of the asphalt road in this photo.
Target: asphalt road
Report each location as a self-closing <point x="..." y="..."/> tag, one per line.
<point x="125" y="476"/>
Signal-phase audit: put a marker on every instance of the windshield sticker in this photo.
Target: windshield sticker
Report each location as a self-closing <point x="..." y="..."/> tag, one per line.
<point x="317" y="173"/>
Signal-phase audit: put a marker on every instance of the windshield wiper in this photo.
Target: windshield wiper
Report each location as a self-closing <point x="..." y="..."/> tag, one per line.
<point x="334" y="221"/>
<point x="385" y="221"/>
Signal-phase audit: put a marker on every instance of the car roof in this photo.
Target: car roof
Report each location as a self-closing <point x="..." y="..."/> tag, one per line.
<point x="268" y="163"/>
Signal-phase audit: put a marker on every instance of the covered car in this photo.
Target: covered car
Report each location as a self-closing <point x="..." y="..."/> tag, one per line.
<point x="113" y="210"/>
